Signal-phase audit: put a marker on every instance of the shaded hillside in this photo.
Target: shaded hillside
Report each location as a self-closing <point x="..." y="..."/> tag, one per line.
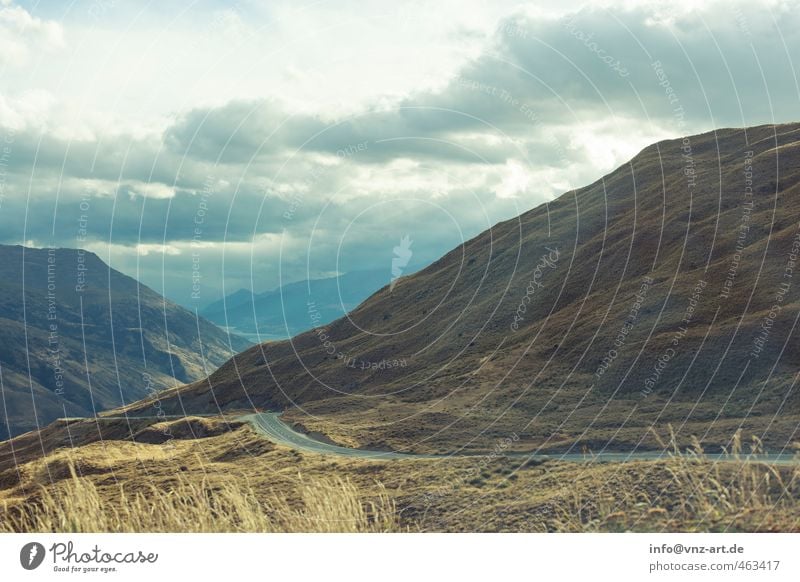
<point x="295" y="307"/>
<point x="665" y="292"/>
<point x="79" y="337"/>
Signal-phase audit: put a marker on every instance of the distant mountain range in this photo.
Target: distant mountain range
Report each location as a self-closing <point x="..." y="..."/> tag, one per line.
<point x="665" y="293"/>
<point x="77" y="337"/>
<point x="295" y="307"/>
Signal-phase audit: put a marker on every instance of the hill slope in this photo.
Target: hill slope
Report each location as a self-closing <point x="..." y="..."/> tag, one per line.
<point x="665" y="292"/>
<point x="79" y="337"/>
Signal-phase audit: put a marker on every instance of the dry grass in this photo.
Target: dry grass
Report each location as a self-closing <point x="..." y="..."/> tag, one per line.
<point x="210" y="505"/>
<point x="739" y="494"/>
<point x="239" y="482"/>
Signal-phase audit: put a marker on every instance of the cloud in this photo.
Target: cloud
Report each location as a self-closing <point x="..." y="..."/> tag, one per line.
<point x="22" y="35"/>
<point x="275" y="193"/>
<point x="150" y="190"/>
<point x="514" y="182"/>
<point x="27" y="110"/>
<point x="241" y="131"/>
<point x="720" y="58"/>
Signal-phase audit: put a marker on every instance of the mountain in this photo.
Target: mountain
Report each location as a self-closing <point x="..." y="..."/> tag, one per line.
<point x="295" y="307"/>
<point x="664" y="294"/>
<point x="78" y="337"/>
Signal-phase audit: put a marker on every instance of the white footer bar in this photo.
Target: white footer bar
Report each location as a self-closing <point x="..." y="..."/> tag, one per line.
<point x="407" y="557"/>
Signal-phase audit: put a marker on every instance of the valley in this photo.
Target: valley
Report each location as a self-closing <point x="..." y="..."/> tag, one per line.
<point x="621" y="358"/>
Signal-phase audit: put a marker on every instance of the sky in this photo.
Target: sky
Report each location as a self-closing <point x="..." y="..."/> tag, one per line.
<point x="203" y="147"/>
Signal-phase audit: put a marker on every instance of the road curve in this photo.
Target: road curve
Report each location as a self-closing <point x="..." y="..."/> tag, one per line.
<point x="269" y="425"/>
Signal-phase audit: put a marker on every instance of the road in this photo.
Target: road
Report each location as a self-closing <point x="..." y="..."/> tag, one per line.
<point x="272" y="427"/>
<point x="269" y="425"/>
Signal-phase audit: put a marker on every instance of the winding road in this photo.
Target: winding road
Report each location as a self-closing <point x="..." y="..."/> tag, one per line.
<point x="269" y="425"/>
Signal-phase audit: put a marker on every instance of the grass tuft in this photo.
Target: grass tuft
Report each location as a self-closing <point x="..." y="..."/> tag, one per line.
<point x="210" y="505"/>
<point x="742" y="493"/>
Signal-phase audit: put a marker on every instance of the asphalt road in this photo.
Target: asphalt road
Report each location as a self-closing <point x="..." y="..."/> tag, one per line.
<point x="269" y="425"/>
<point x="272" y="427"/>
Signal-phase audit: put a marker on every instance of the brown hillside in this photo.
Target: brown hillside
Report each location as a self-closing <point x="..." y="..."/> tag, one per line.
<point x="446" y="364"/>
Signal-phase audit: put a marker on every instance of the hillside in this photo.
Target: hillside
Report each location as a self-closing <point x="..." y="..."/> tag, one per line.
<point x="78" y="337"/>
<point x="663" y="293"/>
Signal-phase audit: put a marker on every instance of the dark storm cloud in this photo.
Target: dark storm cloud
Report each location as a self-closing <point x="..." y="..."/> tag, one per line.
<point x="132" y="219"/>
<point x="243" y="131"/>
<point x="242" y="168"/>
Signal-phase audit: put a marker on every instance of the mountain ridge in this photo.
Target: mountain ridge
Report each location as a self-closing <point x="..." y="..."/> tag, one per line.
<point x="80" y="337"/>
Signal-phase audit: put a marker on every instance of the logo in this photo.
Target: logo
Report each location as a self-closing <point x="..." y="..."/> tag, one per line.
<point x="31" y="555"/>
<point x="402" y="255"/>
